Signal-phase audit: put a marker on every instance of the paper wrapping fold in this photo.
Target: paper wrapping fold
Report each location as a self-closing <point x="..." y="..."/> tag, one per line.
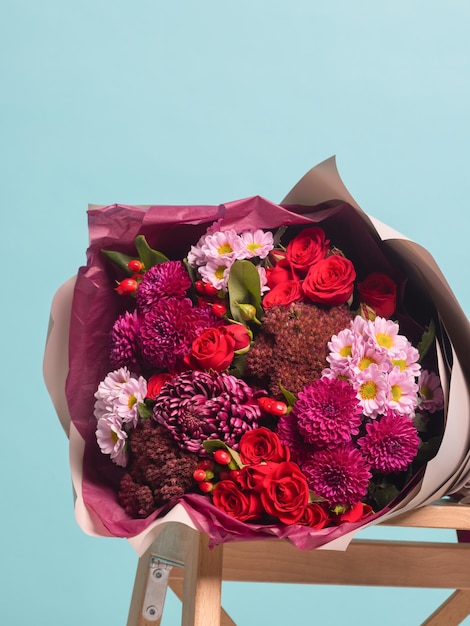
<point x="445" y="473"/>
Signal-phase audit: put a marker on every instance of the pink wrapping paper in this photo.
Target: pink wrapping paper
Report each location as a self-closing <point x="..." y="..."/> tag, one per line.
<point x="172" y="230"/>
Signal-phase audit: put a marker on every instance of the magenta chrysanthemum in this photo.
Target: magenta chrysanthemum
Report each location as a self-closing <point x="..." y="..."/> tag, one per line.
<point x="327" y="412"/>
<point x="165" y="280"/>
<point x="288" y="433"/>
<point x="391" y="443"/>
<point x="340" y="475"/>
<point x="196" y="406"/>
<point x="167" y="332"/>
<point x="124" y="343"/>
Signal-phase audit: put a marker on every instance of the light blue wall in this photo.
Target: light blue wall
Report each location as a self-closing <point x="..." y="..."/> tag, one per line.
<point x="200" y="102"/>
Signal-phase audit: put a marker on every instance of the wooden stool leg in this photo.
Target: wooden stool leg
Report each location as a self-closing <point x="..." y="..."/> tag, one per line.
<point x="176" y="585"/>
<point x="451" y="612"/>
<point x="202" y="589"/>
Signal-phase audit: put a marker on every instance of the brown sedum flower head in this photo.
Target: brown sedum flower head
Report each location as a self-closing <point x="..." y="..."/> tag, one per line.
<point x="291" y="347"/>
<point x="158" y="470"/>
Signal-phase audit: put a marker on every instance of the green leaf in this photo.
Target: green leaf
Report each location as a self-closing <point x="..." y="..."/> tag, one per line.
<point x="244" y="287"/>
<point x="144" y="411"/>
<point x="119" y="259"/>
<point x="383" y="494"/>
<point x="147" y="255"/>
<point x="289" y="397"/>
<point x="427" y="340"/>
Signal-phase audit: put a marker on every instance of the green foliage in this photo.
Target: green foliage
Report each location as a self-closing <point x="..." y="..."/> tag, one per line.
<point x="244" y="287"/>
<point x="147" y="255"/>
<point x="119" y="259"/>
<point x="427" y="340"/>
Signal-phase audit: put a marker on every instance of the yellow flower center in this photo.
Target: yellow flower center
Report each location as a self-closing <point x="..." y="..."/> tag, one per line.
<point x="396" y="392"/>
<point x="368" y="390"/>
<point x="253" y="247"/>
<point x="225" y="249"/>
<point x="426" y="392"/>
<point x="384" y="340"/>
<point x="219" y="272"/>
<point x="345" y="351"/>
<point x="131" y="401"/>
<point x="114" y="437"/>
<point x="365" y="362"/>
<point x="400" y="362"/>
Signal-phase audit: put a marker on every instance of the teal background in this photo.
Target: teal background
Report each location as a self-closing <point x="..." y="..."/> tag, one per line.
<point x="201" y="102"/>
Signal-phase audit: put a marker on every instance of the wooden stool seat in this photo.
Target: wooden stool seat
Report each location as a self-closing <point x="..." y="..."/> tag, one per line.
<point x="195" y="573"/>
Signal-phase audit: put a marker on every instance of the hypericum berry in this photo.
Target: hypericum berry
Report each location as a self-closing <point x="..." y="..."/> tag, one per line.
<point x="272" y="406"/>
<point x="199" y="286"/>
<point x="206" y="464"/>
<point x="135" y="265"/>
<point x="210" y="290"/>
<point x="206" y="486"/>
<point x="222" y="457"/>
<point x="199" y="475"/>
<point x="219" y="310"/>
<point x="127" y="287"/>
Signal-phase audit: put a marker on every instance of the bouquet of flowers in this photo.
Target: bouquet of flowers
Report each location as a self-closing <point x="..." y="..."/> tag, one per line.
<point x="261" y="370"/>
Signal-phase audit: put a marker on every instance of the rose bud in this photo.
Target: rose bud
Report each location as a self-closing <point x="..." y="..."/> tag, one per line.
<point x="379" y="292"/>
<point x="242" y="336"/>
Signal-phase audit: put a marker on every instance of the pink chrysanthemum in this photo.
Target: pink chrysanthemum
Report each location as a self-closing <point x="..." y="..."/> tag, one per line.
<point x="430" y="392"/>
<point x="223" y="245"/>
<point x="403" y="392"/>
<point x="112" y="439"/>
<point x="407" y="360"/>
<point x="124" y="344"/>
<point x="167" y="332"/>
<point x="327" y="412"/>
<point x="384" y="335"/>
<point x="126" y="404"/>
<point x="108" y="390"/>
<point x="165" y="280"/>
<point x="371" y="386"/>
<point x="340" y="475"/>
<point x="216" y="273"/>
<point x="257" y="243"/>
<point x="391" y="443"/>
<point x="196" y="406"/>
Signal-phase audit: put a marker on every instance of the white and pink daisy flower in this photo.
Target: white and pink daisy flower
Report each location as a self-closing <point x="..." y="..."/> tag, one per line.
<point x="384" y="335"/>
<point x="407" y="360"/>
<point x="109" y="389"/>
<point x="403" y="392"/>
<point x="216" y="273"/>
<point x="223" y="246"/>
<point x="126" y="404"/>
<point x="112" y="439"/>
<point x="430" y="392"/>
<point x="371" y="387"/>
<point x="257" y="243"/>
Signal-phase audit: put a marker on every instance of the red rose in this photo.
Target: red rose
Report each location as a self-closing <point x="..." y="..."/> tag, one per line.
<point x="280" y="273"/>
<point x="242" y="505"/>
<point x="315" y="515"/>
<point x="261" y="444"/>
<point x="240" y="334"/>
<point x="283" y="294"/>
<point x="354" y="513"/>
<point x="155" y="383"/>
<point x="212" y="350"/>
<point x="379" y="292"/>
<point x="253" y="476"/>
<point x="330" y="281"/>
<point x="285" y="493"/>
<point x="309" y="247"/>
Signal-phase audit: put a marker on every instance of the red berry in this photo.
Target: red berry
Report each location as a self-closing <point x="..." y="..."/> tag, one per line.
<point x="199" y="475"/>
<point x="199" y="285"/>
<point x="278" y="408"/>
<point x="210" y="290"/>
<point x="127" y="287"/>
<point x="206" y="486"/>
<point x="222" y="457"/>
<point x="219" y="310"/>
<point x="265" y="403"/>
<point x="135" y="265"/>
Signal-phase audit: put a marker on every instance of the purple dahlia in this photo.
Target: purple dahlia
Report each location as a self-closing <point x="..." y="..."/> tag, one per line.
<point x="391" y="443"/>
<point x="196" y="406"/>
<point x="340" y="475"/>
<point x="165" y="280"/>
<point x="327" y="412"/>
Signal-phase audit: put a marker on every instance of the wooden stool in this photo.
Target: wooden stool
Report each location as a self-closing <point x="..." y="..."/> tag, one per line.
<point x="180" y="557"/>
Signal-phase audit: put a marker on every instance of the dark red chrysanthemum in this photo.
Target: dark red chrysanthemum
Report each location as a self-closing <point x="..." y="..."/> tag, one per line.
<point x="165" y="280"/>
<point x="340" y="475"/>
<point x="124" y="342"/>
<point x="196" y="406"/>
<point x="391" y="443"/>
<point x="327" y="412"/>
